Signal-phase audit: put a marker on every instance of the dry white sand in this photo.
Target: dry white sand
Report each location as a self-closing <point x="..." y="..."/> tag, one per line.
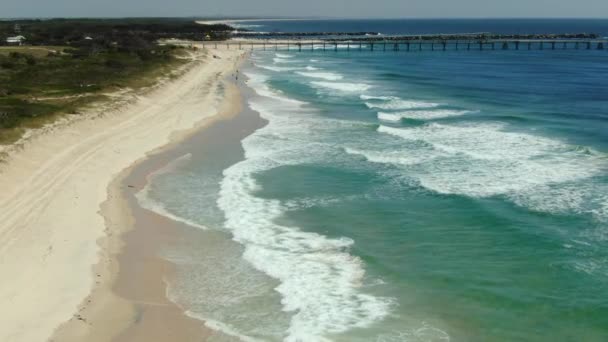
<point x="52" y="188"/>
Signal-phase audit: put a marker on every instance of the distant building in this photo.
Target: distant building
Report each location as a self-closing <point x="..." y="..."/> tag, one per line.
<point x="17" y="40"/>
<point x="88" y="38"/>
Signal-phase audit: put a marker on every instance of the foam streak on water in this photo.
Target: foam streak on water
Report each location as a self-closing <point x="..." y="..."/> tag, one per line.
<point x="482" y="160"/>
<point x="320" y="280"/>
<point x="395" y="103"/>
<point x="330" y="76"/>
<point x="420" y="114"/>
<point x="342" y="86"/>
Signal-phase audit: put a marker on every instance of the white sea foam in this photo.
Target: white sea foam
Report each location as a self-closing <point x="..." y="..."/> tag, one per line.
<point x="580" y="197"/>
<point x="283" y="60"/>
<point x="228" y="330"/>
<point x="277" y="68"/>
<point x="311" y="68"/>
<point x="481" y="160"/>
<point x="330" y="76"/>
<point x="395" y="103"/>
<point x="262" y="89"/>
<point x="421" y="114"/>
<point x="282" y="55"/>
<point x="320" y="281"/>
<point x="392" y="157"/>
<point x="342" y="86"/>
<point x="371" y="97"/>
<point x="391" y="117"/>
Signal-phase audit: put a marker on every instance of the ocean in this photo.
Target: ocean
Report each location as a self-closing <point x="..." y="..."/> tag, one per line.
<point x="421" y="196"/>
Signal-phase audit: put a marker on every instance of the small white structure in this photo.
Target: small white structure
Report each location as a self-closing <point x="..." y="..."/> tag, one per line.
<point x="17" y="40"/>
<point x="88" y="38"/>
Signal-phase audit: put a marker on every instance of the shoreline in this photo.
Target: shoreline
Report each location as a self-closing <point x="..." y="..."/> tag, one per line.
<point x="134" y="291"/>
<point x="159" y="314"/>
<point x="56" y="261"/>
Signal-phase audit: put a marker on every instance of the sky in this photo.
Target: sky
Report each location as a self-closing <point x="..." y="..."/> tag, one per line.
<point x="316" y="8"/>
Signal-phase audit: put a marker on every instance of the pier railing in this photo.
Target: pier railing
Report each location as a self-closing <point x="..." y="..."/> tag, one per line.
<point x="410" y="45"/>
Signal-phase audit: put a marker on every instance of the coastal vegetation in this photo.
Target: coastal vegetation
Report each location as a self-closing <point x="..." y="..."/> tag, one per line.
<point x="66" y="64"/>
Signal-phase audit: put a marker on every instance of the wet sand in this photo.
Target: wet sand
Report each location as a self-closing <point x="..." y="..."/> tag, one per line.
<point x="130" y="301"/>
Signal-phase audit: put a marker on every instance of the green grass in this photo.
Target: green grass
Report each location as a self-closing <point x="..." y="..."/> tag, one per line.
<point x="36" y="51"/>
<point x="36" y="87"/>
<point x="70" y="63"/>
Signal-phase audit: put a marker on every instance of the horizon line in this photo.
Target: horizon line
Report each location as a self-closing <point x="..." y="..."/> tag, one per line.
<point x="270" y="18"/>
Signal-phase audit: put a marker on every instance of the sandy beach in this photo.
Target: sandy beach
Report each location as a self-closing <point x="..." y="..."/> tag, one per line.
<point x="64" y="219"/>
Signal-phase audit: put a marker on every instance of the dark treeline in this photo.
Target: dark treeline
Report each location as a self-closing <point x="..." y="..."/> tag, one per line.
<point x="73" y="31"/>
<point x="65" y="64"/>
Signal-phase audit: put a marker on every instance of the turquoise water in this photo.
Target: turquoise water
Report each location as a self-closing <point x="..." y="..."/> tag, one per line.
<point x="404" y="197"/>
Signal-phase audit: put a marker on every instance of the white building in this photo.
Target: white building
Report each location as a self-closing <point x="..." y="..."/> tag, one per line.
<point x="17" y="40"/>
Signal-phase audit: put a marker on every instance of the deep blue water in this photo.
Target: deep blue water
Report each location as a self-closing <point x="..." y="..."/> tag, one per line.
<point x="434" y="26"/>
<point x="422" y="196"/>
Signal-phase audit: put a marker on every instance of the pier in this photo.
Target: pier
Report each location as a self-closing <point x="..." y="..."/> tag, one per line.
<point x="340" y="41"/>
<point x="410" y="45"/>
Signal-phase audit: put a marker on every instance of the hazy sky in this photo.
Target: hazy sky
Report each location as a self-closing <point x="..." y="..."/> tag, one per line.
<point x="327" y="8"/>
